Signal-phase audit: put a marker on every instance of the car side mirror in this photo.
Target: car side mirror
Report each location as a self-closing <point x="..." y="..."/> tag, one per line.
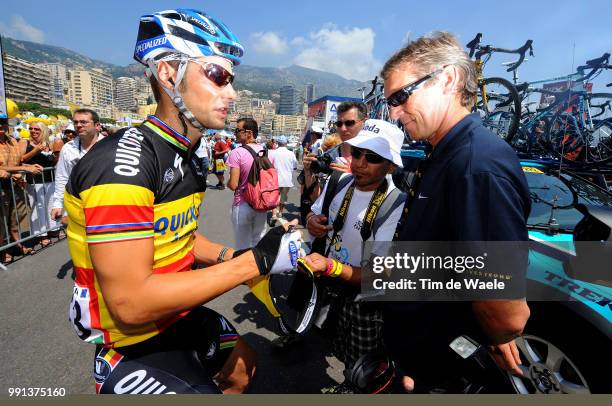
<point x="593" y="246"/>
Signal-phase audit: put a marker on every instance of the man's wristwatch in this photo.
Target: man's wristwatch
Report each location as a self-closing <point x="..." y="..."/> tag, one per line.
<point x="221" y="256"/>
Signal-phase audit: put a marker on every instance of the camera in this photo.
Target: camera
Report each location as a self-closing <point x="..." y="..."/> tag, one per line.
<point x="321" y="165"/>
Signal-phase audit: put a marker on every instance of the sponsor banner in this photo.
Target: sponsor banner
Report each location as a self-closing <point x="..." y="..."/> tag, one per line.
<point x="331" y="113"/>
<point x="317" y="110"/>
<point x="3" y="112"/>
<point x="487" y="270"/>
<point x="324" y="110"/>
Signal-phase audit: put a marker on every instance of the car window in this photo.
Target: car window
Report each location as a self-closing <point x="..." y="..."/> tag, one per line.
<point x="546" y="190"/>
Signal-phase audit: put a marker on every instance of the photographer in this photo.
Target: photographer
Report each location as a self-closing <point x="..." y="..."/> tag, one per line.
<point x="363" y="206"/>
<point x="311" y="188"/>
<point x="351" y="116"/>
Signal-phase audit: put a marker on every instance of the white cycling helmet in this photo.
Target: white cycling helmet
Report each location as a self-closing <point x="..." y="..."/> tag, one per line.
<point x="181" y="35"/>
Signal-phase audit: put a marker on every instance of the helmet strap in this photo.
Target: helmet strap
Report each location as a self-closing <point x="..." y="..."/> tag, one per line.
<point x="175" y="94"/>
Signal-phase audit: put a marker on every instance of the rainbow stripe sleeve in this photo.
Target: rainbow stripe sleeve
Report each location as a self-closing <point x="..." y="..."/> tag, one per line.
<point x="118" y="212"/>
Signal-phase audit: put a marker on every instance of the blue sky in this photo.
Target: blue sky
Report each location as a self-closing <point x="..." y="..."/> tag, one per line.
<point x="351" y="38"/>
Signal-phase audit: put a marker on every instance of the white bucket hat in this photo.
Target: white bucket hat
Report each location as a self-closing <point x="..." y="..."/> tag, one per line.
<point x="382" y="138"/>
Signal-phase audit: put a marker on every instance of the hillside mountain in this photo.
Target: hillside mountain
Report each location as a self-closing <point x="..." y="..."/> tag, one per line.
<point x="41" y="53"/>
<point x="267" y="81"/>
<point x="264" y="82"/>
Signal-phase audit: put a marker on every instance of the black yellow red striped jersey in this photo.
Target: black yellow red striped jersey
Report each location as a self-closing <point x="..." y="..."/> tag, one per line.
<point x="138" y="183"/>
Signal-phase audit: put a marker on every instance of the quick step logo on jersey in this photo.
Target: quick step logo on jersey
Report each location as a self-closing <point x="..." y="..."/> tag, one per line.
<point x="128" y="153"/>
<point x="133" y="383"/>
<point x="176" y="221"/>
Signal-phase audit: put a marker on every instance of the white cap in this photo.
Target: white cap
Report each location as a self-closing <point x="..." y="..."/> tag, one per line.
<point x="382" y="138"/>
<point x="316" y="128"/>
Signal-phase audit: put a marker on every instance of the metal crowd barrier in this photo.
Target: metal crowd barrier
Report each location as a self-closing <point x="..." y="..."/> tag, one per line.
<point x="28" y="204"/>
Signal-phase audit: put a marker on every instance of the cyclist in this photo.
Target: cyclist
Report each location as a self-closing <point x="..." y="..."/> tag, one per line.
<point x="133" y="203"/>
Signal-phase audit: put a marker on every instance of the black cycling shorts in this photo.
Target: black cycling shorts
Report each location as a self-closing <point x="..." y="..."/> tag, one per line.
<point x="182" y="359"/>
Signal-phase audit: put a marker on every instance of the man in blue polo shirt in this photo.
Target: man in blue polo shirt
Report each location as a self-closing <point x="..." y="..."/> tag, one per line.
<point x="470" y="188"/>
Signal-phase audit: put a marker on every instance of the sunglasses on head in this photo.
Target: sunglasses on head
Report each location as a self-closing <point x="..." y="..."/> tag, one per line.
<point x="370" y="157"/>
<point x="215" y="73"/>
<point x="347" y="123"/>
<point x="401" y="96"/>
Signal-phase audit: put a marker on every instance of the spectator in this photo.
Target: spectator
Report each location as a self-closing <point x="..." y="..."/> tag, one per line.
<point x="345" y="225"/>
<point x="203" y="154"/>
<point x="69" y="134"/>
<point x="299" y="152"/>
<point x="220" y="150"/>
<point x="316" y="136"/>
<point x="87" y="125"/>
<point x="40" y="187"/>
<point x="13" y="205"/>
<point x="285" y="163"/>
<point x="351" y="116"/>
<point x="249" y="225"/>
<point x="310" y="185"/>
<point x="229" y="143"/>
<point x="271" y="144"/>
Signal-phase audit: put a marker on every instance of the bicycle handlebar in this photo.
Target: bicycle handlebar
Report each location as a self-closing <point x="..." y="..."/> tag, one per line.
<point x="473" y="44"/>
<point x="602" y="60"/>
<point x="488" y="49"/>
<point x="374" y="85"/>
<point x="595" y="65"/>
<point x="522" y="50"/>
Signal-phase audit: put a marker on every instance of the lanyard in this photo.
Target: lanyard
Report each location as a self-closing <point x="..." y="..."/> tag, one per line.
<point x="370" y="215"/>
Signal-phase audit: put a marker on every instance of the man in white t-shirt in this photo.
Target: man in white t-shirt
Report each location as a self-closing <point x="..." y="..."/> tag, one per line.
<point x="375" y="155"/>
<point x="285" y="163"/>
<point x="87" y="126"/>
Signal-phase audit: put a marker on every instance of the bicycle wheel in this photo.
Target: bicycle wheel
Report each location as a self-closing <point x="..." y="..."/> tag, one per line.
<point x="565" y="138"/>
<point x="499" y="106"/>
<point x="601" y="141"/>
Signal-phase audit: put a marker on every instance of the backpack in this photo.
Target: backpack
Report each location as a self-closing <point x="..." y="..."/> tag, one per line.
<point x="261" y="191"/>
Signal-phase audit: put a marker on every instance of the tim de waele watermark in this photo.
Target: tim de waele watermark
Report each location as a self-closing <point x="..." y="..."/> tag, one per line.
<point x="462" y="265"/>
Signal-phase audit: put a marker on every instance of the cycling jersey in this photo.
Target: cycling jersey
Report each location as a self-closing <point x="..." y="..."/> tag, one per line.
<point x="139" y="183"/>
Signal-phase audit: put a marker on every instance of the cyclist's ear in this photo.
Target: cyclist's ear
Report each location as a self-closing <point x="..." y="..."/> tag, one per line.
<point x="166" y="73"/>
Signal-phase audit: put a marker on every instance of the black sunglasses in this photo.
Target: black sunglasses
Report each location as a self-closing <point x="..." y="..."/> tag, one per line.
<point x="401" y="96"/>
<point x="240" y="130"/>
<point x="215" y="73"/>
<point x="370" y="157"/>
<point x="347" y="123"/>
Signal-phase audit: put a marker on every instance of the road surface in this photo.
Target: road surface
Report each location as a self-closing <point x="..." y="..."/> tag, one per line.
<point x="40" y="348"/>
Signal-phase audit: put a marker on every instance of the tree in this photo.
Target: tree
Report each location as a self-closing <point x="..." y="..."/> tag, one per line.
<point x="37" y="109"/>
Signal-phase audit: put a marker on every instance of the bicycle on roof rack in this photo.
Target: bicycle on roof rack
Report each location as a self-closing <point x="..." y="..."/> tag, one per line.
<point x="376" y="102"/>
<point x="497" y="99"/>
<point x="571" y="124"/>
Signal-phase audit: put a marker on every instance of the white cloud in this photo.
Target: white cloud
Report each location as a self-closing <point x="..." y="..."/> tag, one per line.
<point x="18" y="28"/>
<point x="268" y="43"/>
<point x="347" y="52"/>
<point x="298" y="41"/>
